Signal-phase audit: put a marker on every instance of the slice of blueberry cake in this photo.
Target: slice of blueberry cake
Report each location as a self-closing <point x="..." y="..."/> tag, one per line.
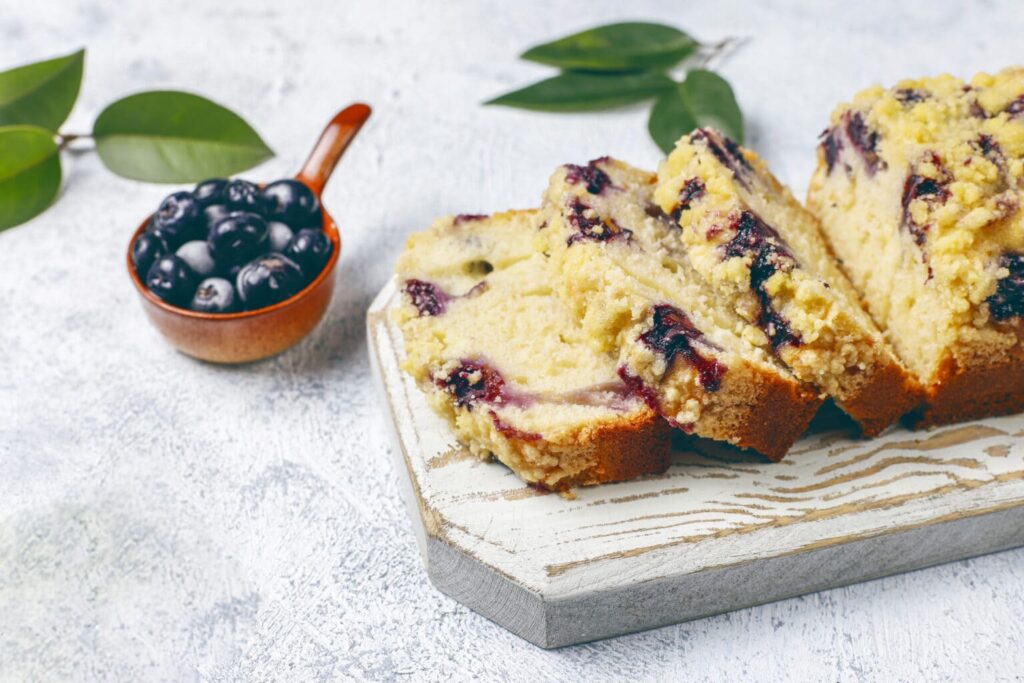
<point x="764" y="253"/>
<point x="502" y="359"/>
<point x="918" y="189"/>
<point x="627" y="278"/>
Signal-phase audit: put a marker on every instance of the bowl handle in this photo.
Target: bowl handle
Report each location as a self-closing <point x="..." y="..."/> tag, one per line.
<point x="332" y="144"/>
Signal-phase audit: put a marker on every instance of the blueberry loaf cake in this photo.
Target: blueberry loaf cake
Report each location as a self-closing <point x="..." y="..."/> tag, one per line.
<point x="501" y="358"/>
<point x="628" y="280"/>
<point x="918" y="190"/>
<point x="764" y="254"/>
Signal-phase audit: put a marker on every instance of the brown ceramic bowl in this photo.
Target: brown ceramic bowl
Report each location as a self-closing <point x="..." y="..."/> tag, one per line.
<point x="253" y="335"/>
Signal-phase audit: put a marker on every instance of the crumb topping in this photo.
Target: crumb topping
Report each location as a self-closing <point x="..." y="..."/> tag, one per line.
<point x="959" y="149"/>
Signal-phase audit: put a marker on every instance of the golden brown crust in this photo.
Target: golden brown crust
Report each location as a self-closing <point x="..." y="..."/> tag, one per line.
<point x="839" y="349"/>
<point x="887" y="390"/>
<point x="626" y="452"/>
<point x="602" y="453"/>
<point x="888" y="393"/>
<point x="975" y="382"/>
<point x="763" y="411"/>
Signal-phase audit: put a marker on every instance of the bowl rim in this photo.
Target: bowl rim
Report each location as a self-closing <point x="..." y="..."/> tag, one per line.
<point x="328" y="226"/>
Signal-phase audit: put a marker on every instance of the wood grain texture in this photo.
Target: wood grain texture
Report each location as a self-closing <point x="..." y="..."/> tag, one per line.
<point x="560" y="571"/>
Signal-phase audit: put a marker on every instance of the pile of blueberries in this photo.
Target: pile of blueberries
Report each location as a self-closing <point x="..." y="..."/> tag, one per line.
<point x="229" y="246"/>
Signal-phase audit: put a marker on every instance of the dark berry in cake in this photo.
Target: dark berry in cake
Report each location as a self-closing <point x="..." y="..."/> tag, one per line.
<point x="310" y="248"/>
<point x="241" y="195"/>
<point x="177" y="219"/>
<point x="473" y="382"/>
<point x="673" y="334"/>
<point x="210" y="192"/>
<point x="1008" y="300"/>
<point x="510" y="432"/>
<point x="636" y="387"/>
<point x="768" y="254"/>
<point x="237" y="238"/>
<point x="726" y="151"/>
<point x="148" y="247"/>
<point x="774" y="325"/>
<point x="1015" y="108"/>
<point x="267" y="280"/>
<point x="909" y="96"/>
<point x="468" y="217"/>
<point x="931" y="190"/>
<point x="595" y="179"/>
<point x="993" y="151"/>
<point x="214" y="295"/>
<point x="864" y="140"/>
<point x="692" y="190"/>
<point x="590" y="226"/>
<point x="831" y="144"/>
<point x="989" y="148"/>
<point x="292" y="203"/>
<point x="428" y="298"/>
<point x="172" y="280"/>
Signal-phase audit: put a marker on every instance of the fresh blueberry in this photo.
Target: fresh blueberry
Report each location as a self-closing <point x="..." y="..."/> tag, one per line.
<point x="241" y="195"/>
<point x="177" y="219"/>
<point x="267" y="280"/>
<point x="230" y="273"/>
<point x="197" y="255"/>
<point x="237" y="238"/>
<point x="214" y="295"/>
<point x="213" y="215"/>
<point x="310" y="248"/>
<point x="148" y="247"/>
<point x="280" y="236"/>
<point x="210" y="192"/>
<point x="172" y="280"/>
<point x="291" y="202"/>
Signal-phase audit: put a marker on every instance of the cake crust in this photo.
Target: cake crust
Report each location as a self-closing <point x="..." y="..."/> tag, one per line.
<point x="919" y="191"/>
<point x="765" y="254"/>
<point x="630" y="282"/>
<point x="886" y="394"/>
<point x="976" y="381"/>
<point x="764" y="412"/>
<point x="477" y="317"/>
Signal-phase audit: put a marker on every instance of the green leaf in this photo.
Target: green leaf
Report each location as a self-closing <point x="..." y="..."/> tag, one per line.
<point x="29" y="173"/>
<point x="175" y="137"/>
<point x="617" y="47"/>
<point x="574" y="91"/>
<point x="41" y="94"/>
<point x="704" y="99"/>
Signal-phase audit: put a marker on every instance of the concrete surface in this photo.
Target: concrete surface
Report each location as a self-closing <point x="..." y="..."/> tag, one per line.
<point x="163" y="519"/>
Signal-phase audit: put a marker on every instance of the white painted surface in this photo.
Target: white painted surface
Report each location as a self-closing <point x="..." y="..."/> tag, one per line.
<point x="715" y="506"/>
<point x="165" y="519"/>
<point x="719" y="530"/>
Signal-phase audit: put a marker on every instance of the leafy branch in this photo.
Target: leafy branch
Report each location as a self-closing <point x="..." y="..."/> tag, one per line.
<point x="156" y="136"/>
<point x="618" y="64"/>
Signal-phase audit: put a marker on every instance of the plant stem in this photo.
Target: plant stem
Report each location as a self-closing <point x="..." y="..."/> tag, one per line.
<point x="717" y="51"/>
<point x="65" y="139"/>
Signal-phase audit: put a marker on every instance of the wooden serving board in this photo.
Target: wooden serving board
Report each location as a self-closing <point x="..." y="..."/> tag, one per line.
<point x="720" y="530"/>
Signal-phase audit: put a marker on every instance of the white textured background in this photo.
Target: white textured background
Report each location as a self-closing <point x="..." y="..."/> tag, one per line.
<point x="162" y="519"/>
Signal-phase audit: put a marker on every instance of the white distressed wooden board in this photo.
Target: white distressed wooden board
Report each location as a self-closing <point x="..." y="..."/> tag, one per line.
<point x="720" y="530"/>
